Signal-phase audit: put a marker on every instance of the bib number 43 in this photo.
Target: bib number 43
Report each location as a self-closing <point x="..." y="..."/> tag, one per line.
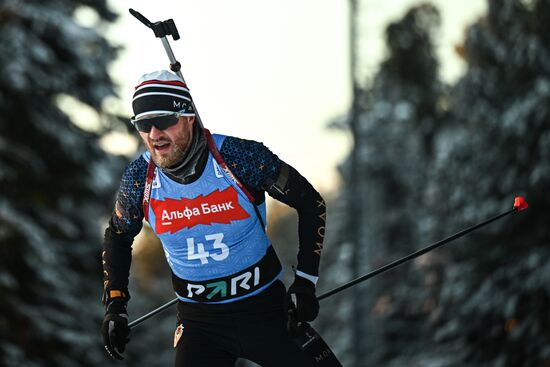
<point x="219" y="251"/>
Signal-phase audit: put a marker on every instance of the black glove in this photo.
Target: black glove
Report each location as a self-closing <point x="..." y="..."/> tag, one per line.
<point x="115" y="329"/>
<point x="306" y="306"/>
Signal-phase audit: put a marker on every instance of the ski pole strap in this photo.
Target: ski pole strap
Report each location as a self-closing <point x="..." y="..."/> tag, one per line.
<point x="147" y="190"/>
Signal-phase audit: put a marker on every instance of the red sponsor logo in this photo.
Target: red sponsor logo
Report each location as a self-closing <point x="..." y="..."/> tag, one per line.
<point x="173" y="215"/>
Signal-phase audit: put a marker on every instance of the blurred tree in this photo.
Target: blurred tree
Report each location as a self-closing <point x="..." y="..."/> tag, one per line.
<point x="394" y="147"/>
<point x="54" y="179"/>
<point x="431" y="160"/>
<point x="392" y="124"/>
<point x="495" y="299"/>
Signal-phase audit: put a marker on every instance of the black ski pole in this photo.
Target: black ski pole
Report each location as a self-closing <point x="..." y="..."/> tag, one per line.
<point x="162" y="29"/>
<point x="152" y="313"/>
<point x="519" y="205"/>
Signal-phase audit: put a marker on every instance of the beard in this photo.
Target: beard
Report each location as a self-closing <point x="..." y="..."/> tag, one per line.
<point x="179" y="148"/>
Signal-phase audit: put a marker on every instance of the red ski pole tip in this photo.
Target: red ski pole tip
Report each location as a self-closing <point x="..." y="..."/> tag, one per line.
<point x="520" y="204"/>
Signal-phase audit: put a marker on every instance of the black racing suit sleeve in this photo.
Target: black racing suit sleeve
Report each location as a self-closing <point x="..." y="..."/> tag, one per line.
<point x="299" y="194"/>
<point x="262" y="171"/>
<point x="125" y="223"/>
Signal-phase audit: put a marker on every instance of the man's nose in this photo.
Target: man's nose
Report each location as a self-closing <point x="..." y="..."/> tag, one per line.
<point x="155" y="132"/>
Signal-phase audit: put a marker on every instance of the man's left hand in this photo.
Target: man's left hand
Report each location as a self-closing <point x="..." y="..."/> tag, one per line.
<point x="306" y="303"/>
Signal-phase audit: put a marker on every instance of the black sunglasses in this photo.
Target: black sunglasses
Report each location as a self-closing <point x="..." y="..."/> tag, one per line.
<point x="161" y="122"/>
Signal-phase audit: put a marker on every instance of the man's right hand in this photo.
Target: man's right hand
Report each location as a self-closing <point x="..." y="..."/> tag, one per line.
<point x="115" y="330"/>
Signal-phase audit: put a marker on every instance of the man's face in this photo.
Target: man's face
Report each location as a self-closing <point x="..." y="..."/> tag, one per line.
<point x="169" y="146"/>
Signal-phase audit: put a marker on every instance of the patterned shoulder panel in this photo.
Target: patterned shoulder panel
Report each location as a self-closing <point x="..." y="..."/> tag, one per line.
<point x="252" y="162"/>
<point x="128" y="213"/>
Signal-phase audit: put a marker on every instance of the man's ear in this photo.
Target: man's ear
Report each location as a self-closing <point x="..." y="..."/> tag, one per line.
<point x="191" y="120"/>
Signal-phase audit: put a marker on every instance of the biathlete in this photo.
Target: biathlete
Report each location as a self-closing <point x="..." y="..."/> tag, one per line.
<point x="204" y="196"/>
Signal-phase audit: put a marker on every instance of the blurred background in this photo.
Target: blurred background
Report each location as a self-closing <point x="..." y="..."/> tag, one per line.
<point x="414" y="119"/>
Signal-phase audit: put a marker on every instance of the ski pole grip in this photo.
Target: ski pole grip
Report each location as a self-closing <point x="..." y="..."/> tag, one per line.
<point x="141" y="18"/>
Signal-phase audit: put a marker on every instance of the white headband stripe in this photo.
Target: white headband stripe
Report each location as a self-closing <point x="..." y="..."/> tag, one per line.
<point x="161" y="93"/>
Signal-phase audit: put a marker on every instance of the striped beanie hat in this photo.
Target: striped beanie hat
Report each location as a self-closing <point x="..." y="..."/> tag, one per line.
<point x="161" y="92"/>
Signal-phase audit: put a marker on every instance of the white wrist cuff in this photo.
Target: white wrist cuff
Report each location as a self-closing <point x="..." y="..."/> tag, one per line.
<point x="311" y="278"/>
